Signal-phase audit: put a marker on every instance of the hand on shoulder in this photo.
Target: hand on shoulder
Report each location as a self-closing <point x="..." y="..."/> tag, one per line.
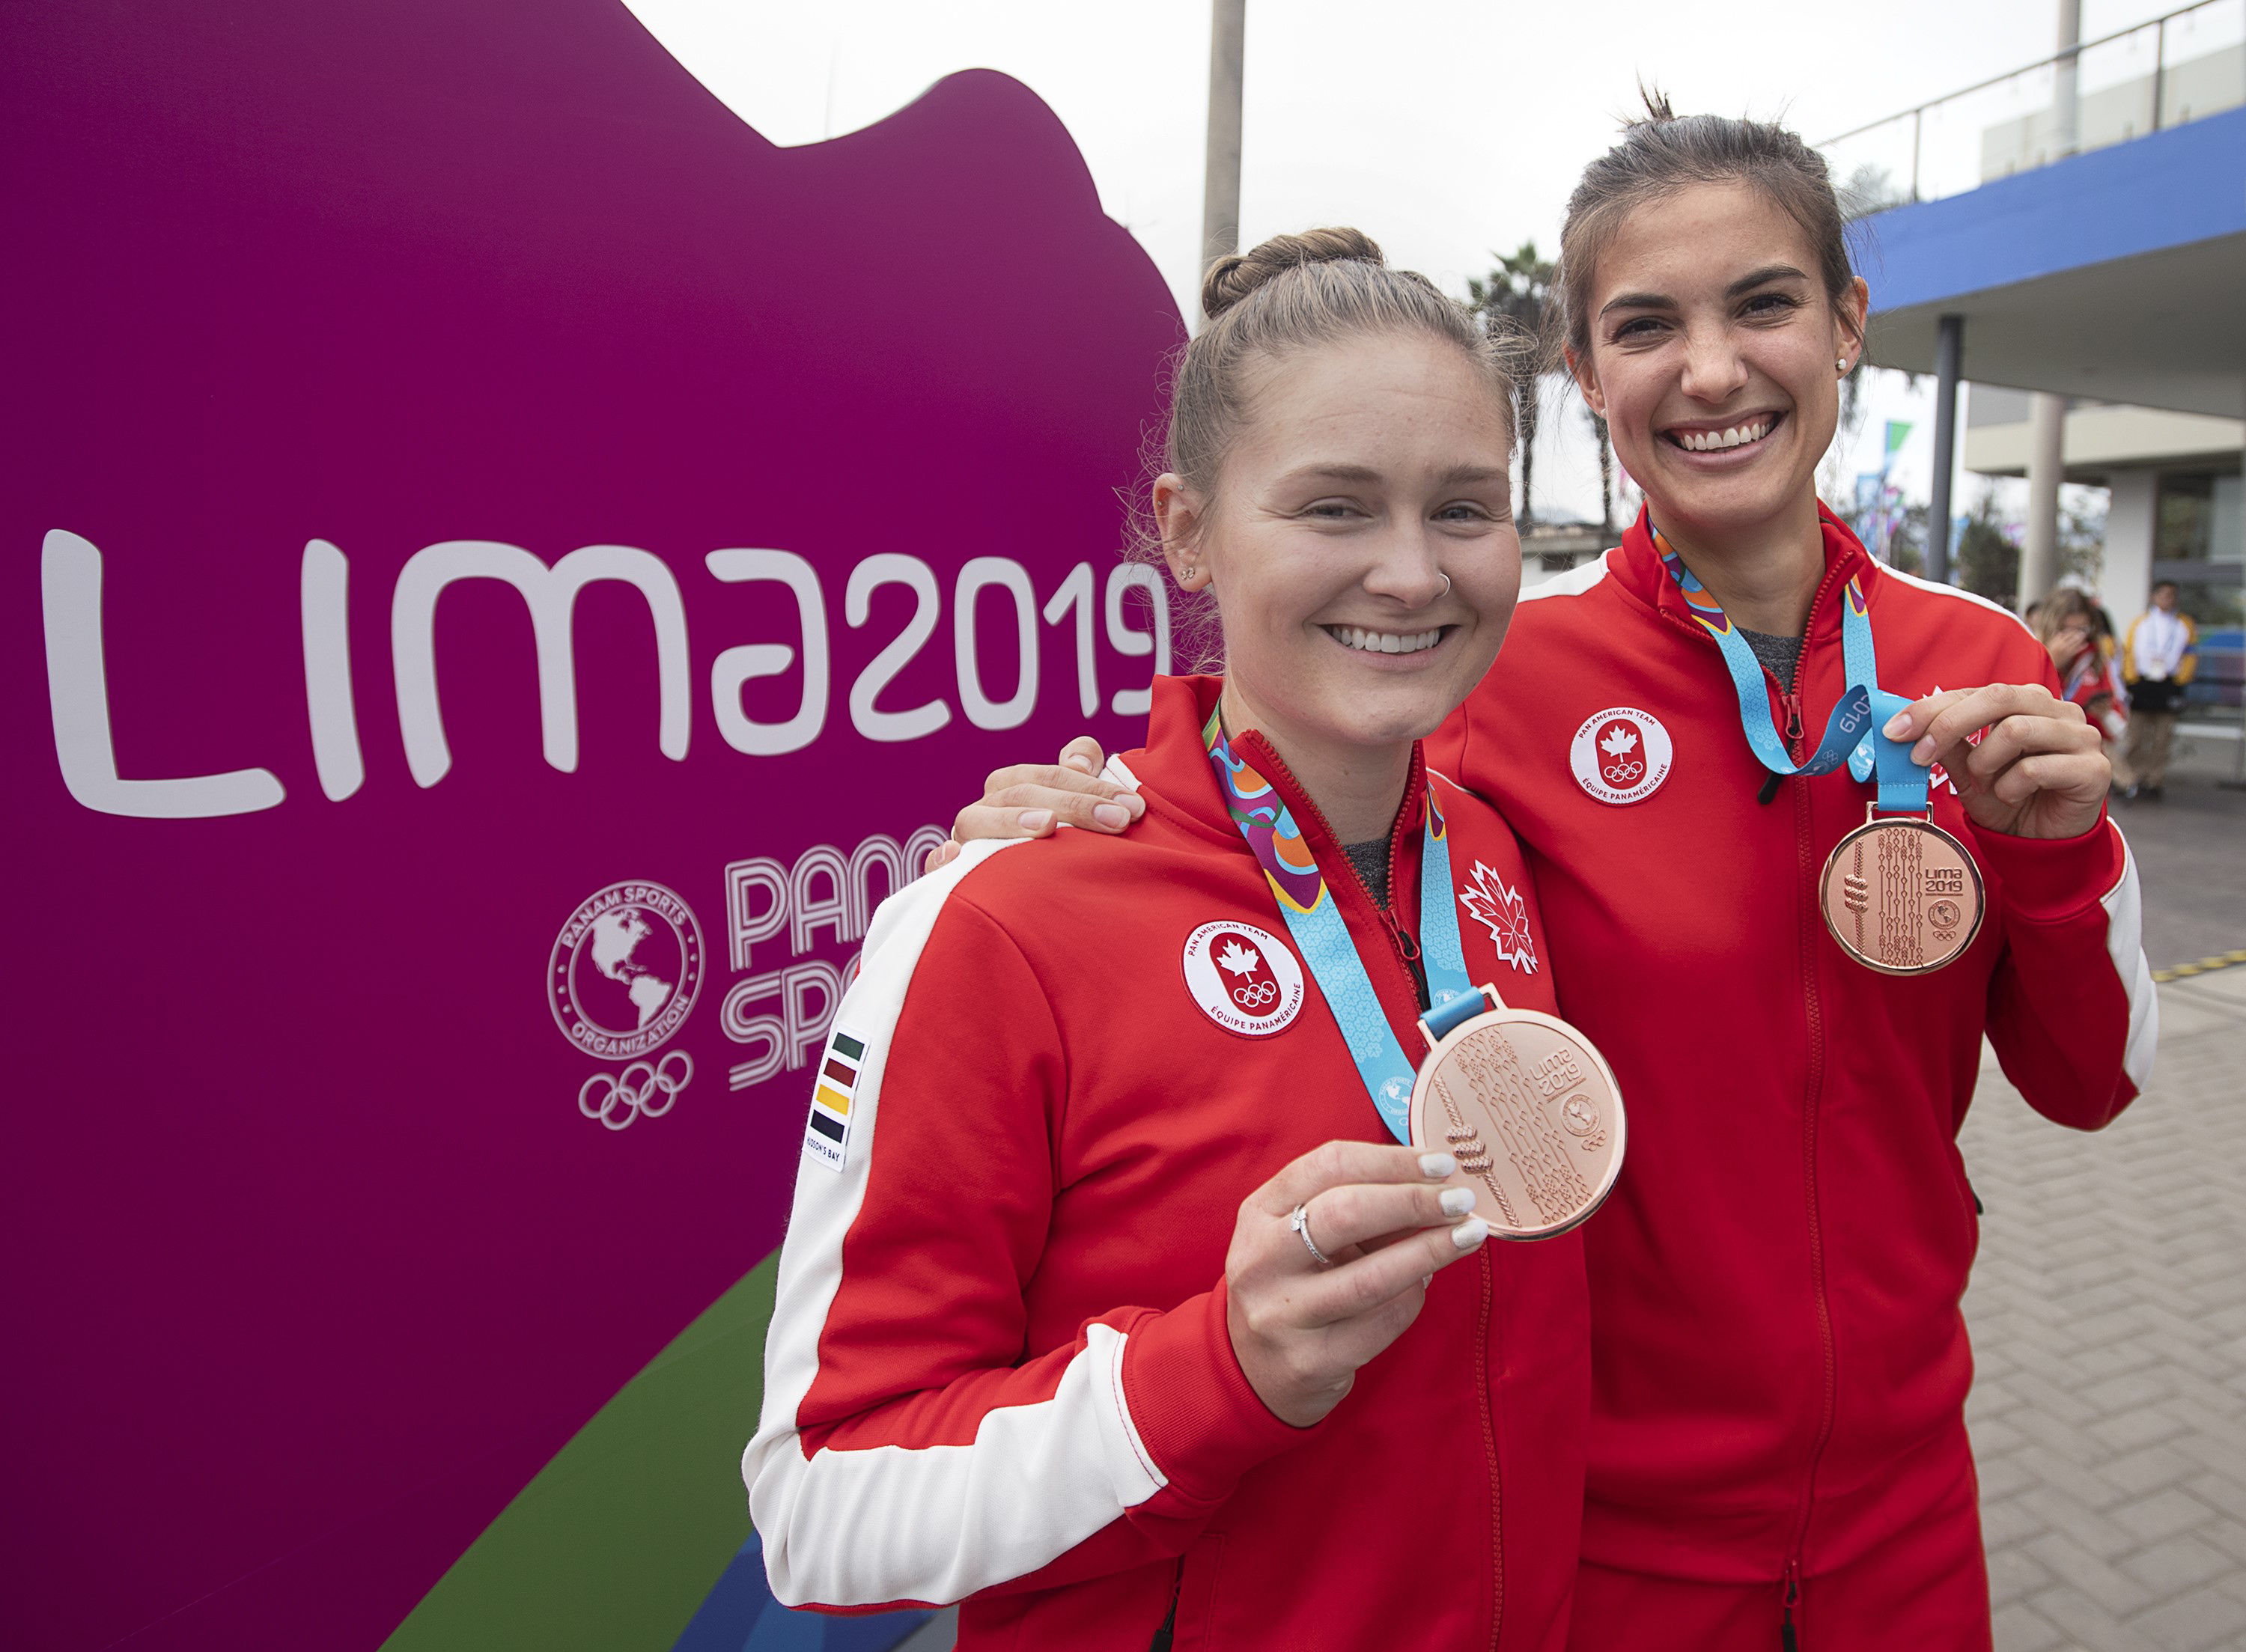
<point x="1029" y="799"/>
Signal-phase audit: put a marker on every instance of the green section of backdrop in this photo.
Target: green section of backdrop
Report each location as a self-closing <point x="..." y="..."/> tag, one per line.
<point x="616" y="1543"/>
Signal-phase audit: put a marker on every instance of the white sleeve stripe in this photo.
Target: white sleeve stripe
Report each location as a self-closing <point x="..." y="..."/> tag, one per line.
<point x="2125" y="946"/>
<point x="936" y="1523"/>
<point x="1574" y="582"/>
<point x="1962" y="595"/>
<point x="933" y="1523"/>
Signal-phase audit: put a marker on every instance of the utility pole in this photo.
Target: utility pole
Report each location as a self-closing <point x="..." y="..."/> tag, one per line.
<point x="1949" y="354"/>
<point x="2047" y="464"/>
<point x="1220" y="201"/>
<point x="2066" y="80"/>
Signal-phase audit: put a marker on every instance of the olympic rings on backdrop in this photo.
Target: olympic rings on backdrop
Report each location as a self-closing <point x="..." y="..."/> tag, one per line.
<point x="626" y="1096"/>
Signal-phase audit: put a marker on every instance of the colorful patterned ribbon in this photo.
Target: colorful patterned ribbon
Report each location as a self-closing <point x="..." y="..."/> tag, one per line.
<point x="1319" y="929"/>
<point x="1847" y="738"/>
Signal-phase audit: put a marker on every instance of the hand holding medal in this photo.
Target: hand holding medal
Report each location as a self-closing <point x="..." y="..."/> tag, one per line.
<point x="1520" y="1106"/>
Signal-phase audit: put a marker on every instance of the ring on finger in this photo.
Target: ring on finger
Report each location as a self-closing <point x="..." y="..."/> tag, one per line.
<point x="1300" y="1221"/>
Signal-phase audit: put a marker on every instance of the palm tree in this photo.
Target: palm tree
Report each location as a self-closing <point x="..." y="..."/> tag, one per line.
<point x="1606" y="471"/>
<point x="1510" y="301"/>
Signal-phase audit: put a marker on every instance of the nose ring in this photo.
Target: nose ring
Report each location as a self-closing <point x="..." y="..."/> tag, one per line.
<point x="1447" y="584"/>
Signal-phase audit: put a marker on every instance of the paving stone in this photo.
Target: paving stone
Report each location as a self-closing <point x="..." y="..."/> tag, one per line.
<point x="2113" y="1590"/>
<point x="2163" y="1515"/>
<point x="2194" y="1622"/>
<point x="2084" y="1621"/>
<point x="2020" y="1628"/>
<point x="2130" y="1429"/>
<point x="2179" y="1564"/>
<point x="2013" y="1572"/>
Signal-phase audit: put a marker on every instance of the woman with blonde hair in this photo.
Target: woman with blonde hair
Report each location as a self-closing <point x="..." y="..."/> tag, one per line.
<point x="1116" y="1301"/>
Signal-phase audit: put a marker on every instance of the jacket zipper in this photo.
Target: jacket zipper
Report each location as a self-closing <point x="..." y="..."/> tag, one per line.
<point x="1813" y="1090"/>
<point x="1169" y="1633"/>
<point x="1813" y="1097"/>
<point x="1398" y="940"/>
<point x="1489" y="1446"/>
<point x="1406" y="950"/>
<point x="1792" y="704"/>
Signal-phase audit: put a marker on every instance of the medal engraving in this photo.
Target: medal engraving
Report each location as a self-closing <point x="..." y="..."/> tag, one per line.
<point x="1531" y="1113"/>
<point x="1902" y="895"/>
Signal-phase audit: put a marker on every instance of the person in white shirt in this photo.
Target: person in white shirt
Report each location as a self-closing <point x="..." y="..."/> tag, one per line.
<point x="2158" y="657"/>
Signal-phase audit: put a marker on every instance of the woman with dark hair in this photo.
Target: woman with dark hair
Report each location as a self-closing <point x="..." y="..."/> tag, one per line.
<point x="1791" y="946"/>
<point x="2079" y="639"/>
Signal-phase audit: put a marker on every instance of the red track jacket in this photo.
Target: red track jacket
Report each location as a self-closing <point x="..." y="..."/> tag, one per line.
<point x="998" y="1369"/>
<point x="1779" y="1364"/>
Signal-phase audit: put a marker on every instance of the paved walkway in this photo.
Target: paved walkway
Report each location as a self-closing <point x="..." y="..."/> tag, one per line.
<point x="2108" y="1311"/>
<point x="2108" y="1306"/>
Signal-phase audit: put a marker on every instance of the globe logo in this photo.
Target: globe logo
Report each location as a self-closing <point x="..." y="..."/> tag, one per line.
<point x="625" y="970"/>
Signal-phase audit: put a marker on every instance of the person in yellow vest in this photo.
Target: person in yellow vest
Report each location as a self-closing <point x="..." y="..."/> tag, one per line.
<point x="2158" y="657"/>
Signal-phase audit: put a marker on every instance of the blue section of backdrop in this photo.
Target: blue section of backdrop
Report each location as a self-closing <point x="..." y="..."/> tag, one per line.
<point x="740" y="1615"/>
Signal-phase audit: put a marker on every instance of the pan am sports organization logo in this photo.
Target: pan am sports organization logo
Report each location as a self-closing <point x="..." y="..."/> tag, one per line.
<point x="1621" y="754"/>
<point x="625" y="970"/>
<point x="1243" y="978"/>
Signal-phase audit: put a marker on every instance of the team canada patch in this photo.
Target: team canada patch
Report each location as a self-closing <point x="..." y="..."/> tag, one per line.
<point x="1243" y="978"/>
<point x="1621" y="754"/>
<point x="1504" y="914"/>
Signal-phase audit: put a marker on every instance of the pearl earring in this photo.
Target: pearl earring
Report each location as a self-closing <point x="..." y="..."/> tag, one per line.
<point x="1840" y="365"/>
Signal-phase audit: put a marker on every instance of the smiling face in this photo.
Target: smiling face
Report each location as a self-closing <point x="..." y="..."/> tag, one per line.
<point x="1715" y="357"/>
<point x="1360" y="541"/>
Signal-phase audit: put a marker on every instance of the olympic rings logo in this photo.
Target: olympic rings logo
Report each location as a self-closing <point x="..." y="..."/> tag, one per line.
<point x="1256" y="994"/>
<point x="1622" y="773"/>
<point x="617" y="1099"/>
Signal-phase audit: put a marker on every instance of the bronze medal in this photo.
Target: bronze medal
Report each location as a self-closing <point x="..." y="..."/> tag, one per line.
<point x="1531" y="1110"/>
<point x="1902" y="895"/>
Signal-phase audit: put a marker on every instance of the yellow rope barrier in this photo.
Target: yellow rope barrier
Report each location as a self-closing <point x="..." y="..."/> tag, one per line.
<point x="2221" y="960"/>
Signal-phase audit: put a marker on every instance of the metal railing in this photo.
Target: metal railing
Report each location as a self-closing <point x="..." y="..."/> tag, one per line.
<point x="2180" y="67"/>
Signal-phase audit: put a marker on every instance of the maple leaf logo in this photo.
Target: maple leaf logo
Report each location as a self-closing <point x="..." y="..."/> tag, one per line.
<point x="1618" y="741"/>
<point x="1504" y="914"/>
<point x="1238" y="959"/>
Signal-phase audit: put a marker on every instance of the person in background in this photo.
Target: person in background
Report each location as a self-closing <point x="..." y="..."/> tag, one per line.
<point x="2158" y="657"/>
<point x="2066" y="624"/>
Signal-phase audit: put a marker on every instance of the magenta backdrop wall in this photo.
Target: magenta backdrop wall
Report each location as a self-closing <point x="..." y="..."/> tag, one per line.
<point x="334" y="1199"/>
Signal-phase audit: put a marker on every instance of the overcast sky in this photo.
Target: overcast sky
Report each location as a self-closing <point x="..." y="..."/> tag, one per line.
<point x="1447" y="129"/>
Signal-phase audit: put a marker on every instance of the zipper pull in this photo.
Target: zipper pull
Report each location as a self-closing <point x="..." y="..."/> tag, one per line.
<point x="1404" y="941"/>
<point x="1793" y="725"/>
<point x="1786" y="1638"/>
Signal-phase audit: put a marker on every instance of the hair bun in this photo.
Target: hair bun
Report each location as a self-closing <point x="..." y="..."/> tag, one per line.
<point x="1231" y="279"/>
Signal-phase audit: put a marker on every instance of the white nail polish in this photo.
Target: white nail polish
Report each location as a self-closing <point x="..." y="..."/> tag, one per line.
<point x="1435" y="1166"/>
<point x="1457" y="1200"/>
<point x="1469" y="1233"/>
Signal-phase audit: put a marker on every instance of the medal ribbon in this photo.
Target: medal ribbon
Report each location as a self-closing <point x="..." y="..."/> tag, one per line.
<point x="1845" y="739"/>
<point x="1319" y="929"/>
<point x="1865" y="749"/>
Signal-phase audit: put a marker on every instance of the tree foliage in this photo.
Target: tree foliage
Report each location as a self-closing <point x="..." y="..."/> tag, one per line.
<point x="1511" y="301"/>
